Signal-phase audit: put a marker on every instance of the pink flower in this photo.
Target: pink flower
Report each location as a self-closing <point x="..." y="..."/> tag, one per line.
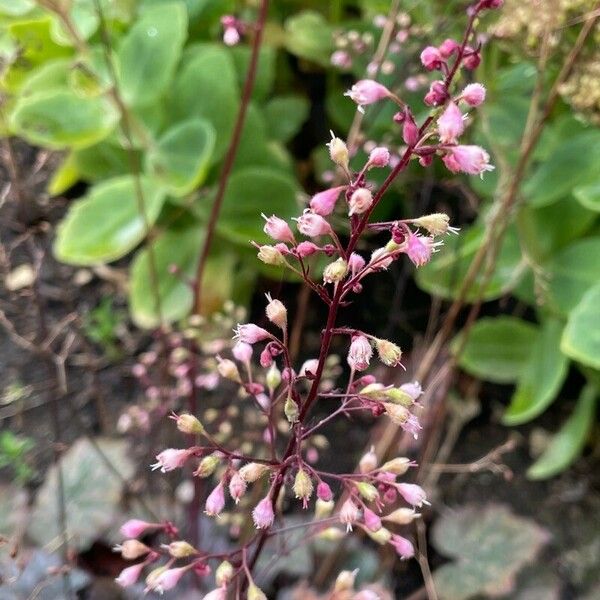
<point x="360" y="353"/>
<point x="491" y="4"/>
<point x="448" y="47"/>
<point x="360" y="201"/>
<point x="412" y="493"/>
<point x="413" y="389"/>
<point x="431" y="58"/>
<point x="341" y="59"/>
<point x="324" y="492"/>
<point x="130" y="575"/>
<point x="356" y="263"/>
<point x="278" y="229"/>
<point x="215" y="502"/>
<point x="217" y="594"/>
<point x="471" y="59"/>
<point x="367" y="91"/>
<point x="134" y="528"/>
<point x="410" y="131"/>
<point x="468" y="159"/>
<point x="250" y="333"/>
<point x="242" y="352"/>
<point x="419" y="248"/>
<point x="237" y="485"/>
<point x="323" y="203"/>
<point x="312" y="224"/>
<point x="437" y="95"/>
<point x="379" y="157"/>
<point x="231" y="36"/>
<point x="403" y="547"/>
<point x="372" y="521"/>
<point x="169" y="579"/>
<point x="263" y="514"/>
<point x="349" y="514"/>
<point x="451" y="124"/>
<point x="473" y="94"/>
<point x="306" y="248"/>
<point x="171" y="459"/>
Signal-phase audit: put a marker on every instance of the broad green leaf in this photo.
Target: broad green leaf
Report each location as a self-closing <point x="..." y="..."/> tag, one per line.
<point x="250" y="192"/>
<point x="542" y="376"/>
<point x="545" y="230"/>
<point x="60" y="119"/>
<point x="445" y="273"/>
<point x="150" y="51"/>
<point x="107" y="223"/>
<point x="102" y="161"/>
<point x="34" y="47"/>
<point x="178" y="245"/>
<point x="573" y="163"/>
<point x="497" y="348"/>
<point x="581" y="338"/>
<point x="197" y="92"/>
<point x="64" y="177"/>
<point x="490" y="545"/>
<point x="572" y="272"/>
<point x="265" y="72"/>
<point x="84" y="19"/>
<point x="567" y="444"/>
<point x="92" y="493"/>
<point x="309" y="35"/>
<point x="589" y="195"/>
<point x="16" y="8"/>
<point x="182" y="155"/>
<point x="50" y="76"/>
<point x="285" y="115"/>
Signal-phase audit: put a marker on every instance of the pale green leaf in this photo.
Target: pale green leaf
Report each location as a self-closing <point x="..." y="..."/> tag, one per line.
<point x="285" y="115"/>
<point x="589" y="195"/>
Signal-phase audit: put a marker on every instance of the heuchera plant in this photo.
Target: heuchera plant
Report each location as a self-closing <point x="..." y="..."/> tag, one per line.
<point x="368" y="497"/>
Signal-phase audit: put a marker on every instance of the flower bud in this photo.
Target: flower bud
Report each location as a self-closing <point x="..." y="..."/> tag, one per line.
<point x="252" y="472"/>
<point x="323" y="508"/>
<point x="349" y="514"/>
<point x="207" y="466"/>
<point x="171" y="459"/>
<point x="338" y="151"/>
<point x="278" y="229"/>
<point x="270" y="255"/>
<point x="331" y="534"/>
<point x="431" y="58"/>
<point x="345" y="581"/>
<point x="381" y="536"/>
<point x="335" y="271"/>
<point x="372" y="521"/>
<point x="237" y="486"/>
<point x="290" y="410"/>
<point x="437" y="94"/>
<point x="131" y="549"/>
<point x="397" y="466"/>
<point x="451" y="124"/>
<point x="448" y="47"/>
<point x="255" y="593"/>
<point x="130" y="575"/>
<point x="323" y="203"/>
<point x="413" y="389"/>
<point x="189" y="424"/>
<point x="356" y="263"/>
<point x="367" y="491"/>
<point x="389" y="353"/>
<point x="367" y="91"/>
<point x="379" y="157"/>
<point x="215" y="502"/>
<point x="402" y="516"/>
<point x="263" y="515"/>
<point x="180" y="549"/>
<point x="306" y="248"/>
<point x="399" y="396"/>
<point x="412" y="493"/>
<point x="403" y="417"/>
<point x="312" y="224"/>
<point x="273" y="378"/>
<point x="368" y="462"/>
<point x="473" y="94"/>
<point x="360" y="201"/>
<point x="276" y="312"/>
<point x="360" y="353"/>
<point x="219" y="593"/>
<point x="250" y="333"/>
<point x="228" y="369"/>
<point x="303" y="486"/>
<point x="410" y="130"/>
<point x="242" y="352"/>
<point x="435" y="224"/>
<point x="224" y="573"/>
<point x="135" y="528"/>
<point x="403" y="547"/>
<point x="324" y="492"/>
<point x="467" y="159"/>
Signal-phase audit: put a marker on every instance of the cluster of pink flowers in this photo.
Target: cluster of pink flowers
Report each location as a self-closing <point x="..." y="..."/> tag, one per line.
<point x="259" y="363"/>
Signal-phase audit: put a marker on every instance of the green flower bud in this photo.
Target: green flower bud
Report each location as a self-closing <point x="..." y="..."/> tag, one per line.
<point x="367" y="491"/>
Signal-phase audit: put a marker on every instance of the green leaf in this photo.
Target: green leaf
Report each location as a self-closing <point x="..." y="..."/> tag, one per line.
<point x="573" y="163"/>
<point x="198" y="93"/>
<point x="542" y="376"/>
<point x="265" y="72"/>
<point x="60" y="119"/>
<point x="497" y="348"/>
<point x="490" y="544"/>
<point x="92" y="493"/>
<point x="181" y="157"/>
<point x="16" y="8"/>
<point x="52" y="75"/>
<point x="252" y="191"/>
<point x="84" y="19"/>
<point x="178" y="245"/>
<point x="106" y="224"/>
<point x="308" y="35"/>
<point x="64" y="177"/>
<point x="102" y="161"/>
<point x="589" y="196"/>
<point x="285" y="115"/>
<point x="581" y="338"/>
<point x="572" y="272"/>
<point x="567" y="444"/>
<point x="150" y="51"/>
<point x="444" y="275"/>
